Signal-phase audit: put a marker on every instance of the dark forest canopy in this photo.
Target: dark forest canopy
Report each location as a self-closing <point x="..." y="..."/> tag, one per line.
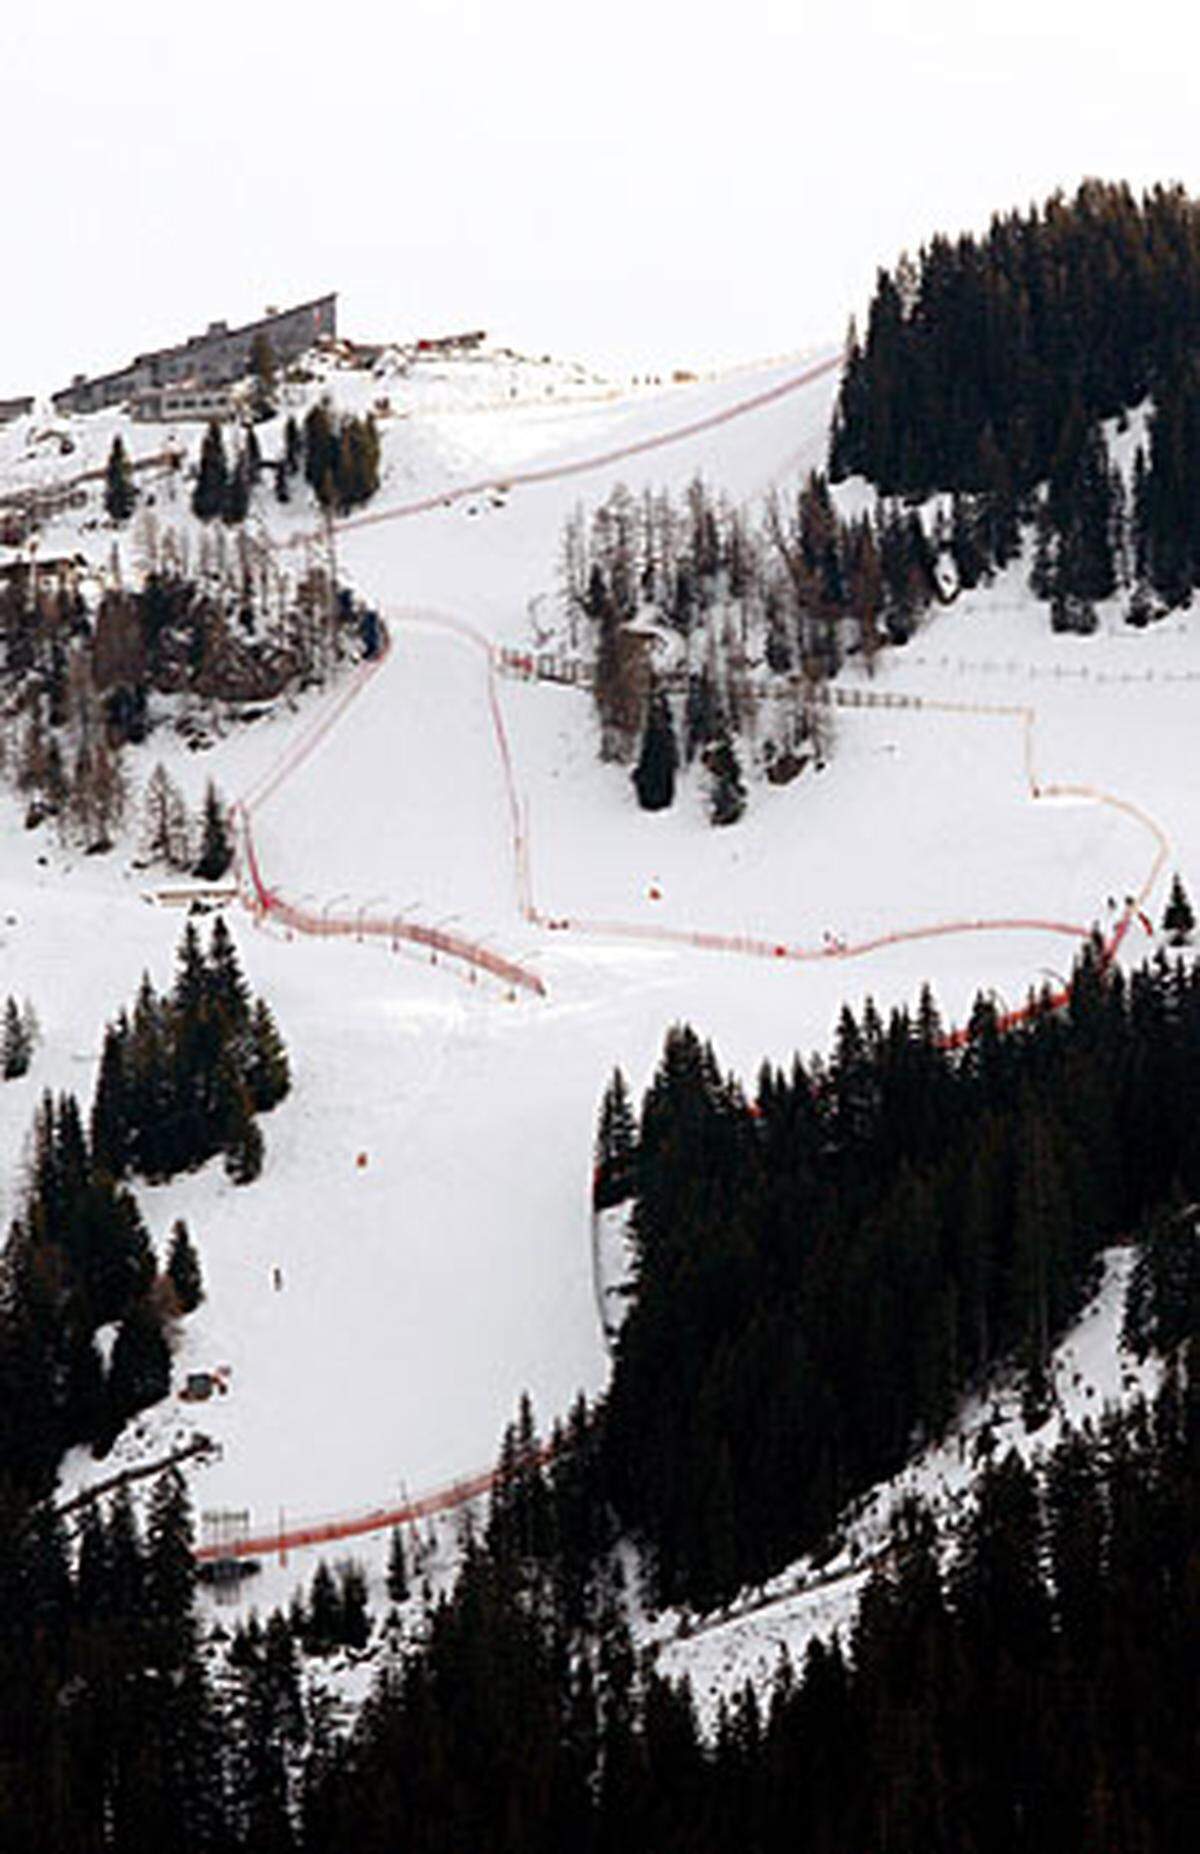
<point x="821" y="1272"/>
<point x="181" y="1078"/>
<point x="896" y="1210"/>
<point x="1034" y="1691"/>
<point x="989" y="363"/>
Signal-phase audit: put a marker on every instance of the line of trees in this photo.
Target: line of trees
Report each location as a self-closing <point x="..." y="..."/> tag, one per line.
<point x="182" y="1076"/>
<point x="1030" y="1683"/>
<point x="703" y="631"/>
<point x="1033" y="1688"/>
<point x="340" y="457"/>
<point x="78" y="684"/>
<point x="989" y="367"/>
<point x="78" y="1258"/>
<point x="823" y="1269"/>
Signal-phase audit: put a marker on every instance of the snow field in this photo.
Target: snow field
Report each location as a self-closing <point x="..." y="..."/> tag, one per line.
<point x="424" y="1290"/>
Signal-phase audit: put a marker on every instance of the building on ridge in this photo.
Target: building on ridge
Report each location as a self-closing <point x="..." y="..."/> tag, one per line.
<point x="206" y="361"/>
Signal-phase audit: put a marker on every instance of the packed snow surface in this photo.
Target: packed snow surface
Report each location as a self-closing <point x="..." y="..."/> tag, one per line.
<point x="425" y="1198"/>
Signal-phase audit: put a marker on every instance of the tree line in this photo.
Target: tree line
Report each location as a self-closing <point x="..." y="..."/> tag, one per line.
<point x="81" y="682"/>
<point x="704" y="632"/>
<point x="338" y="454"/>
<point x="181" y="1078"/>
<point x="79" y="1257"/>
<point x="1033" y="1688"/>
<point x="1028" y="1683"/>
<point x="821" y="1270"/>
<point x="989" y="367"/>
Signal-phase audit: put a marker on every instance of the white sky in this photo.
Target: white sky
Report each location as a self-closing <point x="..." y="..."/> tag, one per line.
<point x="631" y="181"/>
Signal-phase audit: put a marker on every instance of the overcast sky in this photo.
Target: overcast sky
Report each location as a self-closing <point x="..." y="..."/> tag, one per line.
<point x="632" y="181"/>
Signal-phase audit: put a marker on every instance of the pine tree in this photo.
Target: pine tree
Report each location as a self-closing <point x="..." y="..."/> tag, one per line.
<point x="216" y="848"/>
<point x="654" y="774"/>
<point x="252" y="457"/>
<point x="139" y="1372"/>
<point x="167" y="832"/>
<point x="225" y="985"/>
<point x="354" y="1622"/>
<point x="16" y="1042"/>
<point x="1162" y="1301"/>
<point x="183" y="1269"/>
<point x="243" y="1145"/>
<point x="91" y="1573"/>
<point x="119" y="492"/>
<point x="726" y="792"/>
<point x="235" y="503"/>
<point x="616" y="1146"/>
<point x="397" y="1569"/>
<point x="189" y="994"/>
<point x="323" y="1618"/>
<point x="124" y="1561"/>
<point x="262" y="367"/>
<point x="320" y="445"/>
<point x="293" y="446"/>
<point x="268" y="1072"/>
<point x="170" y="1573"/>
<point x="208" y="499"/>
<point x="110" y="1126"/>
<point x="1178" y="921"/>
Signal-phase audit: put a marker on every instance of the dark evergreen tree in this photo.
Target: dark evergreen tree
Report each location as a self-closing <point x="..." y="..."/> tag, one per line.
<point x="1162" y="1302"/>
<point x="654" y="774"/>
<point x="225" y="986"/>
<point x="616" y="1146"/>
<point x="208" y="498"/>
<point x="323" y="1616"/>
<point x="183" y="1269"/>
<point x="16" y="1041"/>
<point x="139" y="1371"/>
<point x="170" y="1574"/>
<point x="235" y="503"/>
<point x="263" y="369"/>
<point x="354" y="1622"/>
<point x="243" y="1144"/>
<point x="120" y="496"/>
<point x="397" y="1569"/>
<point x="726" y="792"/>
<point x="293" y="446"/>
<point x="216" y="847"/>
<point x="268" y="1072"/>
<point x="1178" y="921"/>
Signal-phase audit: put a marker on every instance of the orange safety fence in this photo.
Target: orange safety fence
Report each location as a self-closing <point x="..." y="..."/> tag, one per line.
<point x="552" y="473"/>
<point x="328" y="1529"/>
<point x="267" y="903"/>
<point x="310" y="739"/>
<point x="396" y="930"/>
<point x="752" y="947"/>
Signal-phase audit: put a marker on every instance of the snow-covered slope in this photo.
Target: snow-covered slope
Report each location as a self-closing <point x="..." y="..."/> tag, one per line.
<point x="425" y="1195"/>
<point x="1089" y="1374"/>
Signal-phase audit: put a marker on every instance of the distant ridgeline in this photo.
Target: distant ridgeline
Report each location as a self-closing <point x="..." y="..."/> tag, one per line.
<point x="988" y="367"/>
